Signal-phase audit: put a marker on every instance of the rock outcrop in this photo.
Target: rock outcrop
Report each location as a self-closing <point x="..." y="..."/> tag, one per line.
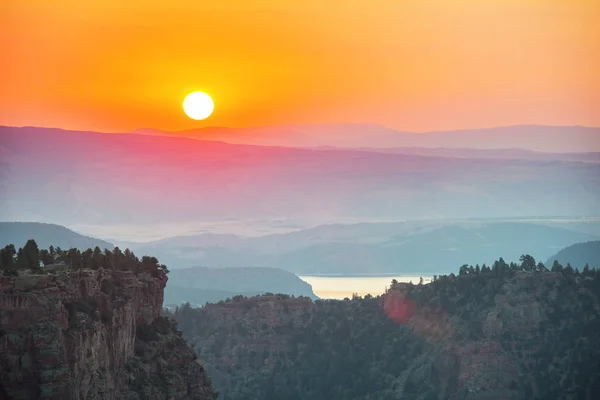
<point x="93" y="334"/>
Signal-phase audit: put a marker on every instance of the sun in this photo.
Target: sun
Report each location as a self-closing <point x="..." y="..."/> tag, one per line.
<point x="198" y="105"/>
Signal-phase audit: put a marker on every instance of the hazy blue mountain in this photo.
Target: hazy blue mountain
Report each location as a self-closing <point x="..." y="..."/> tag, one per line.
<point x="199" y="285"/>
<point x="45" y="235"/>
<point x="578" y="255"/>
<point x="371" y="248"/>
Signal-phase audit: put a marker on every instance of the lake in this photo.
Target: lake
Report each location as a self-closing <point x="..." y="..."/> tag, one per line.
<point x="339" y="287"/>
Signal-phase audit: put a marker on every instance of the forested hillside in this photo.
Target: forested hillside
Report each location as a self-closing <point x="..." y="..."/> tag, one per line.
<point x="508" y="331"/>
<point x="31" y="259"/>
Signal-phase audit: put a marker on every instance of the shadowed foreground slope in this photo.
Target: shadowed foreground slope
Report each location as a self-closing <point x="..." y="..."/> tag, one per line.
<point x="506" y="332"/>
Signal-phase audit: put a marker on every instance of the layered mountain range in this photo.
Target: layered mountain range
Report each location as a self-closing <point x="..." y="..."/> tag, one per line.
<point x="85" y="177"/>
<point x="411" y="247"/>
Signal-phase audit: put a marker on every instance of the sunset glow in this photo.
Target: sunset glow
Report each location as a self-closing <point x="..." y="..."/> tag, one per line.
<point x="413" y="64"/>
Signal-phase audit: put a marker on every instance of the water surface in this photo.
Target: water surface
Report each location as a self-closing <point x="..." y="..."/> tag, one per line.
<point x="339" y="287"/>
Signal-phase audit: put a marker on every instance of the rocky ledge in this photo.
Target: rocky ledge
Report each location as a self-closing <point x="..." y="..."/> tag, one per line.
<point x="93" y="334"/>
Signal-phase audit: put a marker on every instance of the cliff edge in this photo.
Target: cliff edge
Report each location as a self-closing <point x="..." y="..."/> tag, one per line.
<point x="93" y="334"/>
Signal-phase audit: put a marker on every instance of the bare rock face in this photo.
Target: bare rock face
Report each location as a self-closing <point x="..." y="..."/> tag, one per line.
<point x="93" y="334"/>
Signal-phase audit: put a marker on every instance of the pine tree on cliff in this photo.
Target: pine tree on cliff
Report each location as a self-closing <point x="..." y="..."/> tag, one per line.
<point x="541" y="267"/>
<point x="32" y="255"/>
<point x="98" y="259"/>
<point x="28" y="256"/>
<point x="556" y="266"/>
<point x="527" y="262"/>
<point x="75" y="259"/>
<point x="569" y="269"/>
<point x="20" y="259"/>
<point x="46" y="256"/>
<point x="109" y="260"/>
<point x="7" y="260"/>
<point x="117" y="258"/>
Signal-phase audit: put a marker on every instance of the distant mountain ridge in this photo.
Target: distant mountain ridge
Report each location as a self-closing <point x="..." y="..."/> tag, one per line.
<point x="372" y="248"/>
<point x="557" y="139"/>
<point x="200" y="285"/>
<point x="94" y="178"/>
<point x="237" y="281"/>
<point x="521" y="154"/>
<point x="47" y="235"/>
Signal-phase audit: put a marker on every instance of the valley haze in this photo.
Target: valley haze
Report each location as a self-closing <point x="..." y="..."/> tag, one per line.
<point x="315" y="200"/>
<point x="67" y="177"/>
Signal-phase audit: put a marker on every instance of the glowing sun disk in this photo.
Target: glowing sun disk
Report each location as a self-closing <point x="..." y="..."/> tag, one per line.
<point x="198" y="105"/>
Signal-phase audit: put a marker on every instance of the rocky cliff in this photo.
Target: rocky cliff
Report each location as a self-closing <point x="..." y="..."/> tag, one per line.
<point x="93" y="334"/>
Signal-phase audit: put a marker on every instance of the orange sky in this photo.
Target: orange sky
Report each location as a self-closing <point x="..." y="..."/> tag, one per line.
<point x="117" y="65"/>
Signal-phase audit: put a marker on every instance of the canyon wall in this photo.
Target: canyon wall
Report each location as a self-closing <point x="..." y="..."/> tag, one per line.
<point x="93" y="334"/>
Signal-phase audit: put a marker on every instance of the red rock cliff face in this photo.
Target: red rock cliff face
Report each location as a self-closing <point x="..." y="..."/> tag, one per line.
<point x="87" y="335"/>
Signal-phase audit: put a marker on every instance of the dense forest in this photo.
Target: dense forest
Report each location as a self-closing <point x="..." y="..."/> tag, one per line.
<point x="518" y="331"/>
<point x="32" y="259"/>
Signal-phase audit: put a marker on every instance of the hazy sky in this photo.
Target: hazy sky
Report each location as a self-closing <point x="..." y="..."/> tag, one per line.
<point x="117" y="65"/>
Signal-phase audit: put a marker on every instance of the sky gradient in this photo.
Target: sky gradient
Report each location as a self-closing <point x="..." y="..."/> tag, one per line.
<point x="416" y="65"/>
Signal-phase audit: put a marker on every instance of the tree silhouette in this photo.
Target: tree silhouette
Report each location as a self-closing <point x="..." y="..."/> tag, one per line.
<point x="7" y="260"/>
<point x="527" y="262"/>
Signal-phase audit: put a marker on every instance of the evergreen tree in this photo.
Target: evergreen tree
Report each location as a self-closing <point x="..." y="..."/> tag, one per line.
<point x="21" y="259"/>
<point x="569" y="270"/>
<point x="527" y="262"/>
<point x="46" y="257"/>
<point x="541" y="267"/>
<point x="32" y="254"/>
<point x="7" y="260"/>
<point x="586" y="270"/>
<point x="97" y="258"/>
<point x="556" y="266"/>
